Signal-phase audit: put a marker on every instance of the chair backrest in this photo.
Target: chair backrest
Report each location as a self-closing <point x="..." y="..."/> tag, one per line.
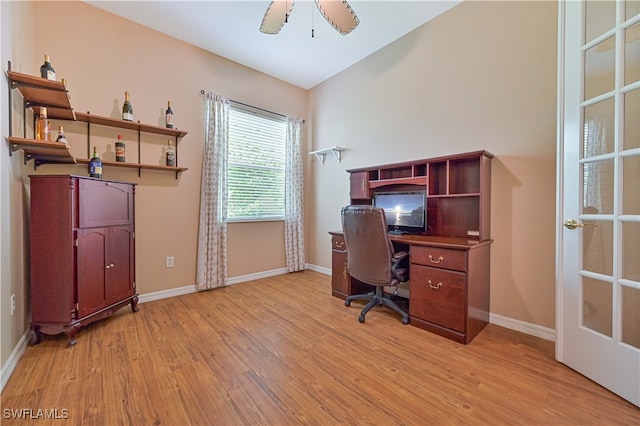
<point x="369" y="250"/>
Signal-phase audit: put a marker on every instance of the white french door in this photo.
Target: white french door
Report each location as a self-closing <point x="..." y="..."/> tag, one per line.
<point x="598" y="279"/>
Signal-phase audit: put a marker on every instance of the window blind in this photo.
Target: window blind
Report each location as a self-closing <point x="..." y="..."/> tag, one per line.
<point x="255" y="164"/>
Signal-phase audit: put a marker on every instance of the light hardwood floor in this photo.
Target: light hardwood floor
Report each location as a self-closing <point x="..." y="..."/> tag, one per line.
<point x="282" y="351"/>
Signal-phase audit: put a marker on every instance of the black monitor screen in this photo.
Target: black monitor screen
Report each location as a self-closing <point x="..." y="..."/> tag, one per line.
<point x="402" y="209"/>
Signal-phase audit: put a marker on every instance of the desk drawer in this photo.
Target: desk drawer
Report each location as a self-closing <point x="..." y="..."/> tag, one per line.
<point x="337" y="243"/>
<point x="439" y="257"/>
<point x="438" y="296"/>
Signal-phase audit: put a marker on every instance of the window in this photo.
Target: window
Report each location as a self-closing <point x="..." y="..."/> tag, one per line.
<point x="256" y="164"/>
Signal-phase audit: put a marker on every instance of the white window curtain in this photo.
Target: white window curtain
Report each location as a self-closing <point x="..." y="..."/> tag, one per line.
<point x="293" y="197"/>
<point x="212" y="232"/>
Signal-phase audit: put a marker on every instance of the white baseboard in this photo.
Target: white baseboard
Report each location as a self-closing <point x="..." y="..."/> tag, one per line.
<point x="523" y="327"/>
<point x="10" y="365"/>
<point x="321" y="269"/>
<point x="179" y="291"/>
<point x="506" y="322"/>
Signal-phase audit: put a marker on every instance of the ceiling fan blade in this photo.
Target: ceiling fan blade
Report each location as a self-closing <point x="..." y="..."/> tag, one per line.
<point x="339" y="14"/>
<point x="275" y="16"/>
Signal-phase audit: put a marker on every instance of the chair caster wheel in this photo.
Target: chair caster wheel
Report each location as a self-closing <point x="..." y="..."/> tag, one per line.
<point x="361" y="319"/>
<point x="405" y="320"/>
<point x="347" y="303"/>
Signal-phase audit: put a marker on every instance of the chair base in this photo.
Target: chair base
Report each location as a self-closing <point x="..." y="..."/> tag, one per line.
<point x="378" y="298"/>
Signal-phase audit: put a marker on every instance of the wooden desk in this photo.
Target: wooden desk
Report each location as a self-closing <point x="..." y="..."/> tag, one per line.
<point x="449" y="282"/>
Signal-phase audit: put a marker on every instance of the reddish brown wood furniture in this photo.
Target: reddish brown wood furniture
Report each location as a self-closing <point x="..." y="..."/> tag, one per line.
<point x="450" y="258"/>
<point x="82" y="252"/>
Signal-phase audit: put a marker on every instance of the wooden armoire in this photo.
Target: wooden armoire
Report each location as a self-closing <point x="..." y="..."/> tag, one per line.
<point x="82" y="252"/>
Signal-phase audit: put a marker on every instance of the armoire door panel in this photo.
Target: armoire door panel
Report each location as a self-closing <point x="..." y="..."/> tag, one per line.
<point x="105" y="203"/>
<point x="119" y="282"/>
<point x="91" y="254"/>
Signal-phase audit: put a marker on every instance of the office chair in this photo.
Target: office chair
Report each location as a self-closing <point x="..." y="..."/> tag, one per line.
<point x="371" y="258"/>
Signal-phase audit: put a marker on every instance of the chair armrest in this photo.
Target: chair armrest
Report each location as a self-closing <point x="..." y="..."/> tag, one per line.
<point x="397" y="257"/>
<point x="401" y="274"/>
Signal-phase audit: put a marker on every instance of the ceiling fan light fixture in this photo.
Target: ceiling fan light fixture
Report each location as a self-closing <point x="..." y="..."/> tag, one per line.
<point x="338" y="13"/>
<point x="276" y="15"/>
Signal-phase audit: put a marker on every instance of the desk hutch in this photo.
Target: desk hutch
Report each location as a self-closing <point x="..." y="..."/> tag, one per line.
<point x="449" y="260"/>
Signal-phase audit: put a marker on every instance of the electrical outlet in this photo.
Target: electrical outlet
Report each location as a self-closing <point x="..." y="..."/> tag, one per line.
<point x="169" y="262"/>
<point x="13" y="304"/>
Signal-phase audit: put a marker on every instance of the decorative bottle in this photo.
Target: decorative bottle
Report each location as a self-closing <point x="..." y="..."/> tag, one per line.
<point x="127" y="109"/>
<point x="46" y="70"/>
<point x="169" y="116"/>
<point x="43" y="129"/>
<point x="61" y="137"/>
<point x="95" y="164"/>
<point x="171" y="155"/>
<point x="120" y="153"/>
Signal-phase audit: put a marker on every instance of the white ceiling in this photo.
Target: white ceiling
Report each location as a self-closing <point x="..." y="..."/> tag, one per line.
<point x="231" y="29"/>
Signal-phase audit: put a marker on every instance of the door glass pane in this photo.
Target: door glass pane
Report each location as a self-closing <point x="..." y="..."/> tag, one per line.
<point x="597" y="247"/>
<point x="597" y="305"/>
<point x="632" y="54"/>
<point x="600" y="17"/>
<point x="631" y="185"/>
<point x="631" y="251"/>
<point x="631" y="316"/>
<point x="598" y="135"/>
<point x="597" y="187"/>
<point x="632" y="8"/>
<point x="631" y="121"/>
<point x="599" y="68"/>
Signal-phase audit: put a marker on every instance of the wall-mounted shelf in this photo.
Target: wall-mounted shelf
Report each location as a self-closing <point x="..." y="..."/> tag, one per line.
<point x="42" y="152"/>
<point x="136" y="126"/>
<point x="121" y="124"/>
<point x="39" y="92"/>
<point x="335" y="150"/>
<point x="138" y="166"/>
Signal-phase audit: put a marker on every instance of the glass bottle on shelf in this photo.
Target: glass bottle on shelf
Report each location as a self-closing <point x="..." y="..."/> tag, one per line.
<point x="169" y="116"/>
<point x="120" y="150"/>
<point x="46" y="70"/>
<point x="95" y="164"/>
<point x="43" y="128"/>
<point x="127" y="109"/>
<point x="61" y="137"/>
<point x="171" y="155"/>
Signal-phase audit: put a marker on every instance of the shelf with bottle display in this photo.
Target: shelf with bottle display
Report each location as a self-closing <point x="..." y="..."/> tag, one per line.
<point x="42" y="152"/>
<point x="131" y="125"/>
<point x="176" y="134"/>
<point x="39" y="92"/>
<point x="134" y="165"/>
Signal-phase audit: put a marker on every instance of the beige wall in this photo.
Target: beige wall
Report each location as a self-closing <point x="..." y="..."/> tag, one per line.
<point x="480" y="76"/>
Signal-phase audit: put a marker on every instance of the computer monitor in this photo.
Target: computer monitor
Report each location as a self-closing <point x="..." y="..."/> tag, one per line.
<point x="404" y="210"/>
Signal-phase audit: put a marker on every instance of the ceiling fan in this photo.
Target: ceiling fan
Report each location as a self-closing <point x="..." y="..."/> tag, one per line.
<point x="337" y="12"/>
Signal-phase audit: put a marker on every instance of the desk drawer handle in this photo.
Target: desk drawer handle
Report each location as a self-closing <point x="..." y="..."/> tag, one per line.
<point x="339" y="244"/>
<point x="437" y="286"/>
<point x="440" y="259"/>
<point x="344" y="271"/>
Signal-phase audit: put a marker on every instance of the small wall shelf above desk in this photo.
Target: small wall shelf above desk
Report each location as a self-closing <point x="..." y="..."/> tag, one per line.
<point x="335" y="150"/>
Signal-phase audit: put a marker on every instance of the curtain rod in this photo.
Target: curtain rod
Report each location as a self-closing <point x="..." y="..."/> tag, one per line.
<point x="202" y="92"/>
